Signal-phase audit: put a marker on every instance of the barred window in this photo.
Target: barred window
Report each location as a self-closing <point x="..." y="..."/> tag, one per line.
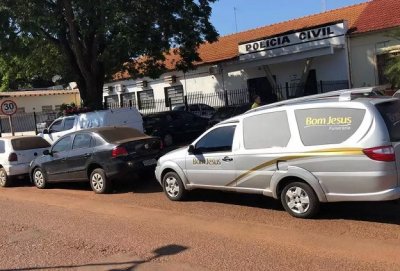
<point x="47" y="108"/>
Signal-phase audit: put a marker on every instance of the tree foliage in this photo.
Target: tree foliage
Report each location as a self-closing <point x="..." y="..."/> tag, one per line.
<point x="392" y="70"/>
<point x="96" y="38"/>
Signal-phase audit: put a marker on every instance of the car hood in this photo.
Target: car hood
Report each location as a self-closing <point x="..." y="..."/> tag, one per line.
<point x="178" y="153"/>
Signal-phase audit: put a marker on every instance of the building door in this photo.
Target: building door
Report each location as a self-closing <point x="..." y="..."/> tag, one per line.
<point x="261" y="87"/>
<point x="311" y="86"/>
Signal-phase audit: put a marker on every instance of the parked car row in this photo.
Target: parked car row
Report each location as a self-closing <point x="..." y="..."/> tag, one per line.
<point x="337" y="146"/>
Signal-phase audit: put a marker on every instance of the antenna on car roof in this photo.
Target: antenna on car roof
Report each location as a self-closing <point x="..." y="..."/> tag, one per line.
<point x="342" y="95"/>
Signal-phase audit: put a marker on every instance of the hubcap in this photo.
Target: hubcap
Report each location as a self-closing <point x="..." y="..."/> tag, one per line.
<point x="297" y="200"/>
<point x="172" y="187"/>
<point x="97" y="181"/>
<point x="3" y="178"/>
<point x="38" y="178"/>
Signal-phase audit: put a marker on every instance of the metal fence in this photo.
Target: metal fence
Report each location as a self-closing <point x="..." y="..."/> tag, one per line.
<point x="23" y="122"/>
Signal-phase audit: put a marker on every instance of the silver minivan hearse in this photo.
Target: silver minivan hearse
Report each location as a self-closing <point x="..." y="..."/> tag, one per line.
<point x="337" y="146"/>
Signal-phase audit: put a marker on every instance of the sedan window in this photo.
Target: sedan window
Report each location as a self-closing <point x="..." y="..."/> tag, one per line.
<point x="81" y="141"/>
<point x="62" y="145"/>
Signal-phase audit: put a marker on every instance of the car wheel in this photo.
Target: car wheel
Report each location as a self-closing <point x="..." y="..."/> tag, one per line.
<point x="99" y="182"/>
<point x="300" y="200"/>
<point x="5" y="180"/>
<point x="173" y="186"/>
<point x="168" y="140"/>
<point x="39" y="179"/>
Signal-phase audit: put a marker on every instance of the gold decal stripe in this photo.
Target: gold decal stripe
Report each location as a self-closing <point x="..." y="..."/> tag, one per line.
<point x="327" y="152"/>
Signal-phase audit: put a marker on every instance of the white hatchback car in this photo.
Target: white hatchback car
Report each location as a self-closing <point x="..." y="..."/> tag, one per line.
<point x="16" y="153"/>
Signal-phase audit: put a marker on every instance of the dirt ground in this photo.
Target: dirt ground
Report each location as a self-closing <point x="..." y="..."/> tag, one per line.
<point x="68" y="227"/>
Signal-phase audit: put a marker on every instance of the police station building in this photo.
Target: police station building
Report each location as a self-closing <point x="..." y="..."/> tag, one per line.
<point x="342" y="48"/>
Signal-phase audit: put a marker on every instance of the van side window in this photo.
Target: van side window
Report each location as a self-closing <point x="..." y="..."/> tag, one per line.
<point x="321" y="126"/>
<point x="68" y="123"/>
<point x="56" y="127"/>
<point x="217" y="140"/>
<point x="266" y="130"/>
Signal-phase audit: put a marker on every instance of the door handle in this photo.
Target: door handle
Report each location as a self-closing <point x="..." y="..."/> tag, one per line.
<point x="227" y="159"/>
<point x="86" y="155"/>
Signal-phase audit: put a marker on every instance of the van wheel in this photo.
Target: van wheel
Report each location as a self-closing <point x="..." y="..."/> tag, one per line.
<point x="39" y="178"/>
<point x="173" y="186"/>
<point x="168" y="140"/>
<point x="300" y="200"/>
<point x="99" y="182"/>
<point x="5" y="180"/>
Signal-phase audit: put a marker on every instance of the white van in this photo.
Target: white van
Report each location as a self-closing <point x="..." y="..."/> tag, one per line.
<point x="337" y="146"/>
<point x="128" y="117"/>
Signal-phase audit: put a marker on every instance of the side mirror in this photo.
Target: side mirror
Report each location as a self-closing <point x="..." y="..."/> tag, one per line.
<point x="45" y="131"/>
<point x="191" y="149"/>
<point x="46" y="152"/>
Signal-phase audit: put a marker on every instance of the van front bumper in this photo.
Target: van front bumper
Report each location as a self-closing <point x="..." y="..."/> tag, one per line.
<point x="386" y="195"/>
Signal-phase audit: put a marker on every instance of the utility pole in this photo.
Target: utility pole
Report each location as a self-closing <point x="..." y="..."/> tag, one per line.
<point x="234" y="12"/>
<point x="323" y="5"/>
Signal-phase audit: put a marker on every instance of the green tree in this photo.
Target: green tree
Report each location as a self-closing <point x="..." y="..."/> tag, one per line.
<point x="98" y="38"/>
<point x="392" y="70"/>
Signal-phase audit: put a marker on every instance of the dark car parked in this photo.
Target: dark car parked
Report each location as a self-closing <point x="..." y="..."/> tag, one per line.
<point x="174" y="126"/>
<point x="201" y="110"/>
<point x="227" y="112"/>
<point x="100" y="155"/>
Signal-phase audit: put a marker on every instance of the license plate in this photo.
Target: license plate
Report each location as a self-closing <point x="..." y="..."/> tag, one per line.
<point x="150" y="162"/>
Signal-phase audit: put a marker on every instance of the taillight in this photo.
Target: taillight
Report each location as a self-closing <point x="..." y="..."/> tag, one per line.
<point x="13" y="157"/>
<point x="384" y="153"/>
<point x="119" y="151"/>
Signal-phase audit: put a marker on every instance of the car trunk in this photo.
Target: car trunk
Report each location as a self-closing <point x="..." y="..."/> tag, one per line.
<point x="390" y="112"/>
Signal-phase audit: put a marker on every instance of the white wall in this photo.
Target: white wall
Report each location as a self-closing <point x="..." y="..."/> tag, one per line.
<point x="363" y="50"/>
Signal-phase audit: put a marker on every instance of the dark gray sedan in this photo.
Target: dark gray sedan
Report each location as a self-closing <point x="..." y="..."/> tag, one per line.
<point x="100" y="155"/>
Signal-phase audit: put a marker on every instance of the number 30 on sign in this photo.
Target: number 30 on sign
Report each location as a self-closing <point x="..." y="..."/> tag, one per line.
<point x="8" y="107"/>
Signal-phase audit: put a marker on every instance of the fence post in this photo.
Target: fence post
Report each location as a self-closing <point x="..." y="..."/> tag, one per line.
<point x="321" y="86"/>
<point x="186" y="102"/>
<point x="1" y="127"/>
<point x="287" y="90"/>
<point x="170" y="104"/>
<point x="226" y="97"/>
<point x="35" y="121"/>
<point x="105" y="104"/>
<point x="130" y="103"/>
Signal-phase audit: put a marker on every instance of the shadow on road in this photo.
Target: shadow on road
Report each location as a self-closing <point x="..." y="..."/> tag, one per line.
<point x="382" y="212"/>
<point x="160" y="252"/>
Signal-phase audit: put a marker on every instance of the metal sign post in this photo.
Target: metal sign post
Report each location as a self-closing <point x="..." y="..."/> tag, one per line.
<point x="9" y="107"/>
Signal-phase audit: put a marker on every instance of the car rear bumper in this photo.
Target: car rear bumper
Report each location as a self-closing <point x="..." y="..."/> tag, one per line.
<point x="18" y="169"/>
<point x="386" y="195"/>
<point x="125" y="169"/>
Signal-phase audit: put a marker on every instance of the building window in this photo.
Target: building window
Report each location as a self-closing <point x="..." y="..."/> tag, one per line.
<point x="57" y="107"/>
<point x="146" y="99"/>
<point x="128" y="99"/>
<point x="47" y="108"/>
<point x="175" y="94"/>
<point x="112" y="101"/>
<point x="21" y="110"/>
<point x="383" y="61"/>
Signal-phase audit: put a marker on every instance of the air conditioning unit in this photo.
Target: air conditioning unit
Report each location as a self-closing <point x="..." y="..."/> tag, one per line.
<point x="215" y="69"/>
<point x="142" y="84"/>
<point x="170" y="79"/>
<point x="107" y="89"/>
<point x="120" y="88"/>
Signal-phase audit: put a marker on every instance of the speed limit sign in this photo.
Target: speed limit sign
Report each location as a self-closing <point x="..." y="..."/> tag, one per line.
<point x="8" y="107"/>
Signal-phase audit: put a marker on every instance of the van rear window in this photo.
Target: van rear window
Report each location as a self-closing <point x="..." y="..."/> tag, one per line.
<point x="28" y="143"/>
<point x="390" y="112"/>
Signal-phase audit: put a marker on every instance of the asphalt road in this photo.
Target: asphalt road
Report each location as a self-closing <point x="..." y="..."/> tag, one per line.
<point x="68" y="227"/>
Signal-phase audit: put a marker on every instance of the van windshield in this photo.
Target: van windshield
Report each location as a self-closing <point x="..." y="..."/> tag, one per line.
<point x="390" y="112"/>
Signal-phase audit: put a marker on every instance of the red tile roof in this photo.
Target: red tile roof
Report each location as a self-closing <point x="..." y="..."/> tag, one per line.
<point x="365" y="17"/>
<point x="37" y="93"/>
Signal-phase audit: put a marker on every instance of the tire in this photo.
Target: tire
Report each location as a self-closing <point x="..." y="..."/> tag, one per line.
<point x="99" y="182"/>
<point x="168" y="140"/>
<point x="5" y="180"/>
<point x="300" y="200"/>
<point x="173" y="187"/>
<point x="39" y="178"/>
